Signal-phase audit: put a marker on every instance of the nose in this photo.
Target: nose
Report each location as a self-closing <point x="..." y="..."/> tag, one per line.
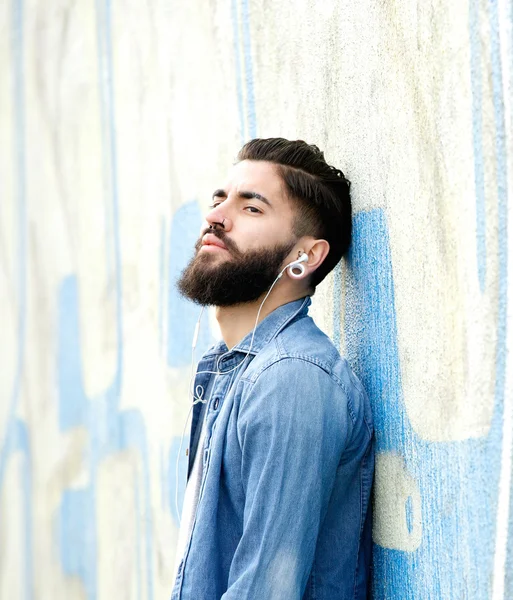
<point x="217" y="218"/>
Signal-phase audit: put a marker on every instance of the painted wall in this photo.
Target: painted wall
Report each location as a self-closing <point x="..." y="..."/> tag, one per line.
<point x="117" y="120"/>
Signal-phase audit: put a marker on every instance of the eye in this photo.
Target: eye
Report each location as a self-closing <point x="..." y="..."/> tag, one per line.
<point x="214" y="204"/>
<point x="253" y="210"/>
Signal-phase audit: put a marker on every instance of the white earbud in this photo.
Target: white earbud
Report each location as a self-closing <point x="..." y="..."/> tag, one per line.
<point x="297" y="265"/>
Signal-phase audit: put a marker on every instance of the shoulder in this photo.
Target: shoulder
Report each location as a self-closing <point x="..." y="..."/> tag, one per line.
<point x="301" y="340"/>
<point x="295" y="395"/>
<point x="302" y="347"/>
<point x="302" y="362"/>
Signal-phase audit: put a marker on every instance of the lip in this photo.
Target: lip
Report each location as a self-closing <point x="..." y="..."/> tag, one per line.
<point x="212" y="240"/>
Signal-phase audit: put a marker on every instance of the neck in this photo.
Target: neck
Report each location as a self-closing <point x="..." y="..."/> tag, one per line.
<point x="237" y="321"/>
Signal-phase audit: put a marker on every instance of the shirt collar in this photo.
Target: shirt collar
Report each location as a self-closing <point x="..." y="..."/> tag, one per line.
<point x="267" y="329"/>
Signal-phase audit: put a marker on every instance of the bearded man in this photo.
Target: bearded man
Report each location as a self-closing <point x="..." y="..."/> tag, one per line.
<point x="281" y="454"/>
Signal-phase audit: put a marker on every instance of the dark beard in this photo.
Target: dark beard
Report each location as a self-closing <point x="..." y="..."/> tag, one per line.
<point x="243" y="278"/>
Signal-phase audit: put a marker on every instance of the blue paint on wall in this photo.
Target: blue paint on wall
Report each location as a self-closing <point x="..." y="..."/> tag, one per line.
<point x="27" y="499"/>
<point x="108" y="84"/>
<point x="238" y="70"/>
<point x="477" y="135"/>
<point x="110" y="431"/>
<point x="72" y="398"/>
<point x="502" y="193"/>
<point x="337" y="304"/>
<point x="248" y="62"/>
<point x="370" y="326"/>
<point x="409" y="514"/>
<point x="134" y="436"/>
<point x="509" y="559"/>
<point x="183" y="314"/>
<point x="77" y="537"/>
<point x="458" y="519"/>
<point x="21" y="218"/>
<point x="76" y="520"/>
<point x="15" y="437"/>
<point x="247" y="113"/>
<point x="17" y="442"/>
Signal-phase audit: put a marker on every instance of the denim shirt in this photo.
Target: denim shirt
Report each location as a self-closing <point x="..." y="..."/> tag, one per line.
<point x="283" y="510"/>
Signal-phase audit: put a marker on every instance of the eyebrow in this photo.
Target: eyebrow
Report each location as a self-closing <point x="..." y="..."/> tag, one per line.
<point x="248" y="195"/>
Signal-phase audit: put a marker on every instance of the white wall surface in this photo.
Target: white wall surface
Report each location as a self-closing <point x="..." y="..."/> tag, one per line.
<point x="117" y="121"/>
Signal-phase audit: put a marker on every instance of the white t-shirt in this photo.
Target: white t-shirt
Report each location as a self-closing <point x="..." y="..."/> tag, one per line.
<point x="190" y="501"/>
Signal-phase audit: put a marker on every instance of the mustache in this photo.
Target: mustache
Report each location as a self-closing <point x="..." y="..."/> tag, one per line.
<point x="231" y="246"/>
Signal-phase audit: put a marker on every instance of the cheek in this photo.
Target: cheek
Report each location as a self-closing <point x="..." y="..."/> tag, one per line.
<point x="257" y="238"/>
<point x="264" y="233"/>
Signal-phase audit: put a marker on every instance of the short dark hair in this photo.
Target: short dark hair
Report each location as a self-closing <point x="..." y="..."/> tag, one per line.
<point x="322" y="192"/>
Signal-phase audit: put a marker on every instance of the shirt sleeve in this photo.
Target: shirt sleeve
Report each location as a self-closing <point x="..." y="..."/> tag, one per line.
<point x="293" y="426"/>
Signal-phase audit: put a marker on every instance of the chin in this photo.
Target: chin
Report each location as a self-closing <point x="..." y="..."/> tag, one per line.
<point x="210" y="258"/>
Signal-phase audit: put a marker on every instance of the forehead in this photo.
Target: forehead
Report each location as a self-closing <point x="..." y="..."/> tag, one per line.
<point x="257" y="176"/>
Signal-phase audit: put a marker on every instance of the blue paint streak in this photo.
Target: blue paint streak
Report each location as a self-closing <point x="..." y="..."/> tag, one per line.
<point x="71" y="394"/>
<point x="18" y="442"/>
<point x="370" y="325"/>
<point x="238" y="73"/>
<point x="508" y="588"/>
<point x="477" y="134"/>
<point x="502" y="214"/>
<point x="409" y="514"/>
<point x="250" y="94"/>
<point x="110" y="431"/>
<point x="19" y="153"/>
<point x="15" y="438"/>
<point x="182" y="313"/>
<point x="134" y="436"/>
<point x="77" y="537"/>
<point x="337" y="303"/>
<point x="502" y="193"/>
<point x="114" y="183"/>
<point x="27" y="517"/>
<point x="458" y="519"/>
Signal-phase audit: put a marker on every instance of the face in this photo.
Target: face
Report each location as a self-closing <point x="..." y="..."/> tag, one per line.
<point x="246" y="240"/>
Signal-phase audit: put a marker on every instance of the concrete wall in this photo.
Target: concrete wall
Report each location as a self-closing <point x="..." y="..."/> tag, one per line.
<point x="117" y="120"/>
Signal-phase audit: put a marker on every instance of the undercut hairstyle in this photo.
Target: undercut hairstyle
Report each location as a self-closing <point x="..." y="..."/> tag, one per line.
<point x="321" y="192"/>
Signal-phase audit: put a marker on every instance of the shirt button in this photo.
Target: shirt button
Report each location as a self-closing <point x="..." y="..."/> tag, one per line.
<point x="216" y="404"/>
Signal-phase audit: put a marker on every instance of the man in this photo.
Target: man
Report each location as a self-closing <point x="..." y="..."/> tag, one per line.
<point x="281" y="456"/>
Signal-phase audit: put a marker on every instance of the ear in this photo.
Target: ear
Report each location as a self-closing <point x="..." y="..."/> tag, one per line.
<point x="317" y="251"/>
